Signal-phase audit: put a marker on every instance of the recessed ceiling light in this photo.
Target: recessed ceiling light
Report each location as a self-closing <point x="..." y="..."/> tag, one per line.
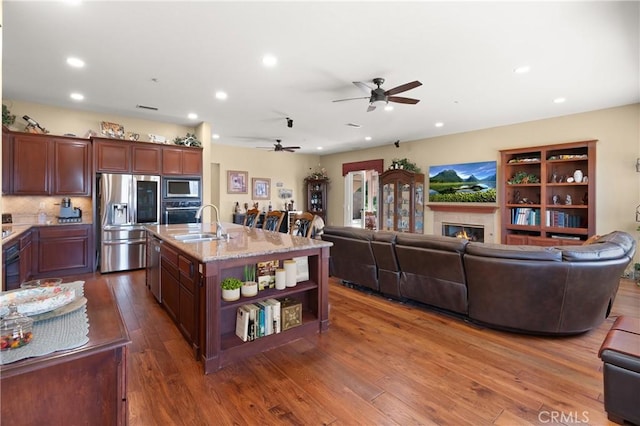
<point x="215" y="136"/>
<point x="439" y="124"/>
<point x="367" y="138"/>
<point x="192" y="116"/>
<point x="77" y="96"/>
<point x="522" y="70"/>
<point x="319" y="148"/>
<point x="388" y="108"/>
<point x="75" y="62"/>
<point x="221" y="95"/>
<point x="559" y="100"/>
<point x="269" y="61"/>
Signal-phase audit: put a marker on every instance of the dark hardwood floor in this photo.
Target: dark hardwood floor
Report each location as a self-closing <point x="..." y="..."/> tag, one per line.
<point x="381" y="362"/>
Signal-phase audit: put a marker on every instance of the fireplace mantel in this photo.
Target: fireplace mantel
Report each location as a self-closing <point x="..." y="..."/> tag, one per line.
<point x="464" y="208"/>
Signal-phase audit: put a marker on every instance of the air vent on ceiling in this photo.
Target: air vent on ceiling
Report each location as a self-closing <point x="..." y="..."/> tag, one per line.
<point x="147" y="107"/>
<point x="357" y="126"/>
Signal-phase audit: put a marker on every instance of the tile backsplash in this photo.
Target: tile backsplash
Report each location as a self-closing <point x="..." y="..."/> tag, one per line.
<point x="24" y="209"/>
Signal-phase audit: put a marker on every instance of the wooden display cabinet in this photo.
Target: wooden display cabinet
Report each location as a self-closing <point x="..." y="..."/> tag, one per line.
<point x="317" y="197"/>
<point x="402" y="201"/>
<point x="542" y="202"/>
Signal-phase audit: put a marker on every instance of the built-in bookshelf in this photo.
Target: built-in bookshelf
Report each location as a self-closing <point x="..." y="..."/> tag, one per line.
<point x="548" y="194"/>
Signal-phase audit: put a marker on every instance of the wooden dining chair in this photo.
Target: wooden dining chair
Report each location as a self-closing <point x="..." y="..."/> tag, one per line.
<point x="303" y="224"/>
<point x="251" y="218"/>
<point x="273" y="220"/>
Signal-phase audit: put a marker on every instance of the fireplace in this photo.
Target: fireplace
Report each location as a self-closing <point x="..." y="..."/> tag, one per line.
<point x="466" y="216"/>
<point x="461" y="230"/>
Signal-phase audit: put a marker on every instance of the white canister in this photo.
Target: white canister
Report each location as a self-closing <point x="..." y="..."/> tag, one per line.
<point x="281" y="279"/>
<point x="291" y="272"/>
<point x="577" y="176"/>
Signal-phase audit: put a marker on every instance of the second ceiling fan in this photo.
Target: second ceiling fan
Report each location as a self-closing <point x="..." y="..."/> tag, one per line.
<point x="380" y="96"/>
<point x="277" y="147"/>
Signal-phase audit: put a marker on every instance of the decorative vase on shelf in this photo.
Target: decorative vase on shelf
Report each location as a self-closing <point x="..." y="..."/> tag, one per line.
<point x="249" y="289"/>
<point x="230" y="295"/>
<point x="577" y="176"/>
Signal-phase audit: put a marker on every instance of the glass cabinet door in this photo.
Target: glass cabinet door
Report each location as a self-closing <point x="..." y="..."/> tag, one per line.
<point x="388" y="202"/>
<point x="418" y="219"/>
<point x="404" y="208"/>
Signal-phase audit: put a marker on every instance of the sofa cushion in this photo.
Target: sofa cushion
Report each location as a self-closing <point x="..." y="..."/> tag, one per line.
<point x="434" y="242"/>
<point x="520" y="252"/>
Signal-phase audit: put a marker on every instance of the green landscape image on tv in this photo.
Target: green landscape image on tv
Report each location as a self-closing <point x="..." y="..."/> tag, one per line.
<point x="466" y="183"/>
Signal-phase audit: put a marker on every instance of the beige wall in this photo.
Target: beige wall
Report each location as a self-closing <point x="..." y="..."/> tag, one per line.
<point x="617" y="182"/>
<point x="286" y="168"/>
<point x="59" y="121"/>
<point x="281" y="167"/>
<point x="617" y="129"/>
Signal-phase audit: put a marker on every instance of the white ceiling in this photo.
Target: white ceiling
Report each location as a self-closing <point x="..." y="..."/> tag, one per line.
<point x="464" y="53"/>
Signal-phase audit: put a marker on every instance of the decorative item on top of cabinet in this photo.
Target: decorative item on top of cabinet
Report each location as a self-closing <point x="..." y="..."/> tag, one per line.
<point x="402" y="201"/>
<point x="558" y="206"/>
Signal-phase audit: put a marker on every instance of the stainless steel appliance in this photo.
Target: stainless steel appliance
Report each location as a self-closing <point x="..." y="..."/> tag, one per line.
<point x="126" y="203"/>
<point x="180" y="211"/>
<point x="68" y="213"/>
<point x="181" y="188"/>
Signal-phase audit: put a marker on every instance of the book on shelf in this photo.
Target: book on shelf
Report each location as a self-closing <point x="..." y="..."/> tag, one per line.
<point x="275" y="313"/>
<point x="266" y="324"/>
<point x="254" y="318"/>
<point x="242" y="323"/>
<point x="267" y="274"/>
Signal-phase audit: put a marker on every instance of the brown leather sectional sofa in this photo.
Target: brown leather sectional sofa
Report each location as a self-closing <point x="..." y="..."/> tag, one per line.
<point x="542" y="290"/>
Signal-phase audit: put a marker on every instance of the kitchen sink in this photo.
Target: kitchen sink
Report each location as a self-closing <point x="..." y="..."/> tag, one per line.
<point x="198" y="238"/>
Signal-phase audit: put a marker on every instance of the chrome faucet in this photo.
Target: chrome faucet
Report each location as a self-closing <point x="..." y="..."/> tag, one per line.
<point x="219" y="228"/>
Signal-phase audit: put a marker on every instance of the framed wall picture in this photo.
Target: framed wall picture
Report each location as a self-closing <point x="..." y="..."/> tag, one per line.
<point x="261" y="188"/>
<point x="237" y="182"/>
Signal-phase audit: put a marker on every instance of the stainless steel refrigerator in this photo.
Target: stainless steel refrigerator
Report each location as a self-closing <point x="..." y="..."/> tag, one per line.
<point x="126" y="204"/>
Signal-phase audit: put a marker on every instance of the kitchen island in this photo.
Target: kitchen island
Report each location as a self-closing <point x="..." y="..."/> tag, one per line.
<point x="189" y="288"/>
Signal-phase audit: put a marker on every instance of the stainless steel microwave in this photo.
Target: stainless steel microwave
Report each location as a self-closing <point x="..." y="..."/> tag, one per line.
<point x="181" y="188"/>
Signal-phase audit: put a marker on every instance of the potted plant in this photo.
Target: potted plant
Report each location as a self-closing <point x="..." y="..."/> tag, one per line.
<point x="249" y="286"/>
<point x="230" y="289"/>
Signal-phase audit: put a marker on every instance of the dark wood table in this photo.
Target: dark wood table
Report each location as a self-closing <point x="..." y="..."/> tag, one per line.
<point x="85" y="385"/>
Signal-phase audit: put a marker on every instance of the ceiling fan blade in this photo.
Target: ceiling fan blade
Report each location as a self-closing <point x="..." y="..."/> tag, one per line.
<point x="371" y="108"/>
<point x="363" y="86"/>
<point x="401" y="100"/>
<point x="403" y="88"/>
<point x="288" y="150"/>
<point x="350" y="99"/>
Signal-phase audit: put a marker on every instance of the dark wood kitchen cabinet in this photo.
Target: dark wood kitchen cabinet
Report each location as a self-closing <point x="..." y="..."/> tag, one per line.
<point x="63" y="250"/>
<point x="118" y="156"/>
<point x="7" y="161"/>
<point x="185" y="161"/>
<point x="26" y="256"/>
<point x="86" y="385"/>
<point x="48" y="165"/>
<point x="180" y="285"/>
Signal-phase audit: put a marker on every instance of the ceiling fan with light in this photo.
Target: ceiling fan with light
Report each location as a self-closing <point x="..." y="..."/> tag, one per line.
<point x="379" y="96"/>
<point x="277" y="147"/>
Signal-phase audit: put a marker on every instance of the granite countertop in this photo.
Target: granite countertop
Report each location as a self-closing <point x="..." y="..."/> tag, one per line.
<point x="243" y="241"/>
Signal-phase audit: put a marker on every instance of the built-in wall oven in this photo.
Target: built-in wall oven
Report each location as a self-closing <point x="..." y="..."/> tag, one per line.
<point x="183" y="211"/>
